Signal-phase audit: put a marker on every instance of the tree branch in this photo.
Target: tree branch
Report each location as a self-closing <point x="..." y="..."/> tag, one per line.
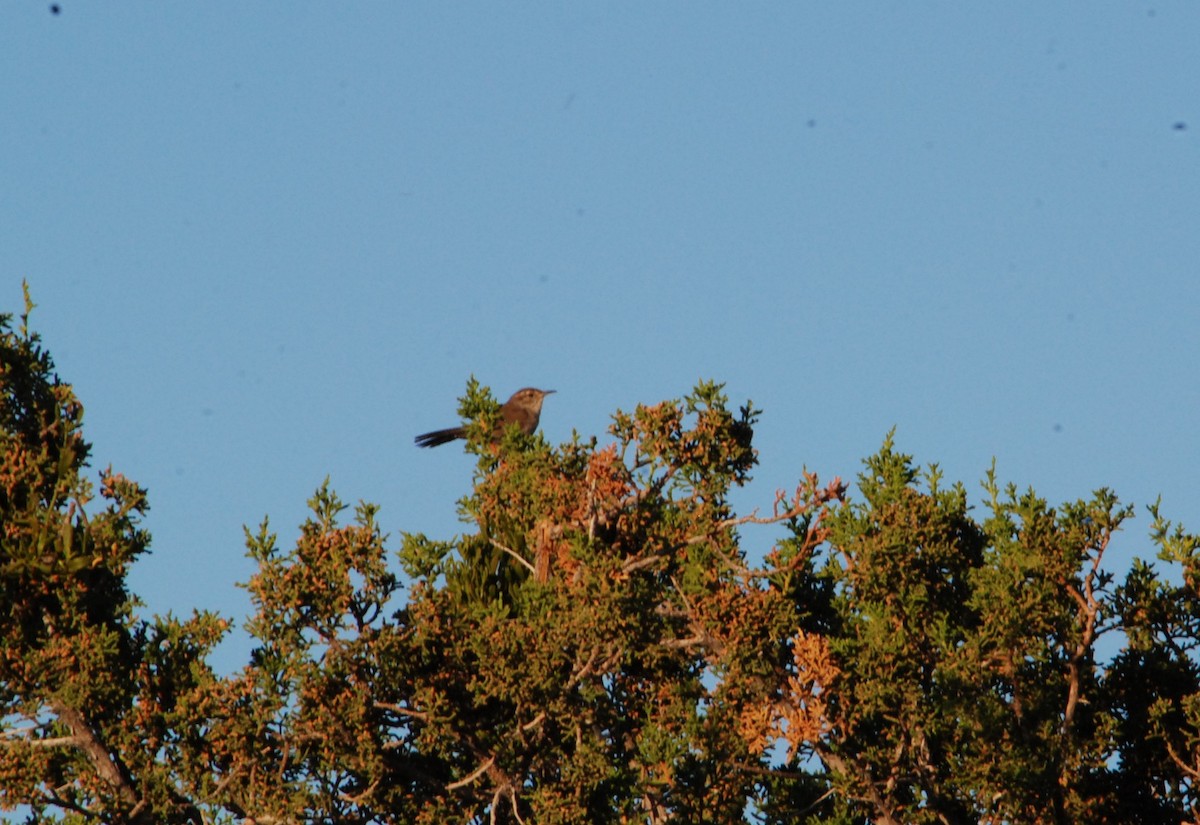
<point x="515" y="555"/>
<point x="85" y="738"/>
<point x="53" y="742"/>
<point x="472" y="776"/>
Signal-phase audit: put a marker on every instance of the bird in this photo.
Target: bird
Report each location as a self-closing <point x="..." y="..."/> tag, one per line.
<point x="523" y="409"/>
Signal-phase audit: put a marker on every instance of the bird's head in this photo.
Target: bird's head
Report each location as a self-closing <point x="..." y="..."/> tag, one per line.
<point x="529" y="398"/>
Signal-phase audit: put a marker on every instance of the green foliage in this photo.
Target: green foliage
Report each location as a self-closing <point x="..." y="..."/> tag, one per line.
<point x="597" y="647"/>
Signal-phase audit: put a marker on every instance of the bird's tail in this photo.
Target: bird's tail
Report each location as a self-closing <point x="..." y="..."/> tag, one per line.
<point x="439" y="437"/>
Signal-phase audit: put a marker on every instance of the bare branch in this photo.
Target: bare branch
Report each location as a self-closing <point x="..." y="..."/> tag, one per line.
<point x="637" y="564"/>
<point x="357" y="799"/>
<point x="694" y="641"/>
<point x="472" y="776"/>
<point x="533" y="723"/>
<point x="512" y="797"/>
<point x="54" y="742"/>
<point x="515" y="555"/>
<point x="1190" y="770"/>
<point x="403" y="711"/>
<point x="584" y="671"/>
<point x="88" y="742"/>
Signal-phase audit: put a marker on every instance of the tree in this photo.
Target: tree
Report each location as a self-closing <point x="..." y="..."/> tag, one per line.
<point x="604" y="645"/>
<point x="90" y="694"/>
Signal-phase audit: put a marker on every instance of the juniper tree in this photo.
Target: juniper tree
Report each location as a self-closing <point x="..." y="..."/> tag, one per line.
<point x="607" y="641"/>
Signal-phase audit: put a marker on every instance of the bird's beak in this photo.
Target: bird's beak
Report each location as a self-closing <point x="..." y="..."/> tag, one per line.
<point x="549" y="392"/>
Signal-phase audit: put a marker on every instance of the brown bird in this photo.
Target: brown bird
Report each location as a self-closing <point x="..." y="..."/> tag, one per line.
<point x="524" y="409"/>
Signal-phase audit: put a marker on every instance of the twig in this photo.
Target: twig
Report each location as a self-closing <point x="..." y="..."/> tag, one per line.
<point x="1183" y="766"/>
<point x="54" y="742"/>
<point x="358" y="798"/>
<point x="515" y="555"/>
<point x="533" y="723"/>
<point x="471" y="777"/>
<point x="403" y="711"/>
<point x="637" y="564"/>
<point x="512" y="797"/>
<point x="584" y="671"/>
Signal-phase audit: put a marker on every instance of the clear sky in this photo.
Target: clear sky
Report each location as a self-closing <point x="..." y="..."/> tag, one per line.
<point x="270" y="241"/>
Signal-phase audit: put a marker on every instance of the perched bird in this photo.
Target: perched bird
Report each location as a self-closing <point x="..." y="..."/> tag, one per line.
<point x="523" y="409"/>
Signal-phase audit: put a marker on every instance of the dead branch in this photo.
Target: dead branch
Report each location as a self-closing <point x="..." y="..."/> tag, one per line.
<point x="473" y="775"/>
<point x="515" y="555"/>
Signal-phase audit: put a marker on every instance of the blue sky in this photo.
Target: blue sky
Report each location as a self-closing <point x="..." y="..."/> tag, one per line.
<point x="271" y="241"/>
